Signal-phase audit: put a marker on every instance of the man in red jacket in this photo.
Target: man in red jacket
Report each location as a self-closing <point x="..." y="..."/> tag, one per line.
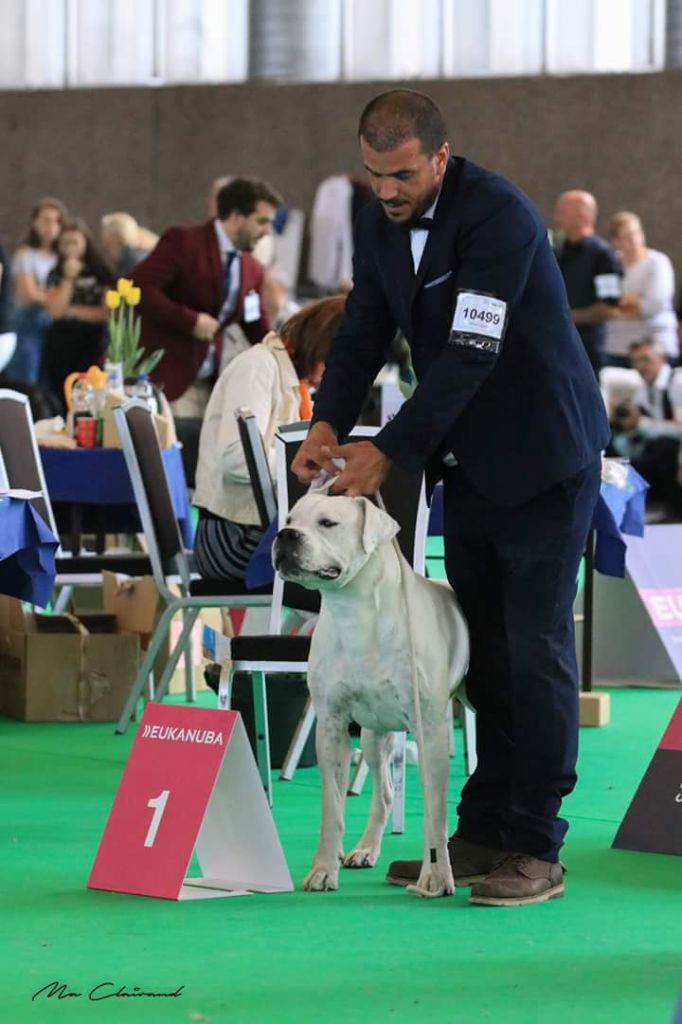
<point x="198" y="280"/>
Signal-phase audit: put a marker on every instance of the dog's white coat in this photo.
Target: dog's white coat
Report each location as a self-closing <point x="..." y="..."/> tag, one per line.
<point x="360" y="669"/>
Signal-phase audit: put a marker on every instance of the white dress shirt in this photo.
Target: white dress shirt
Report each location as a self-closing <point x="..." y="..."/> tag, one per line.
<point x="420" y="236"/>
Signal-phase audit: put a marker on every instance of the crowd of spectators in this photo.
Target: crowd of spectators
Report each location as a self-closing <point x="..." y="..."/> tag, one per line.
<point x="212" y="293"/>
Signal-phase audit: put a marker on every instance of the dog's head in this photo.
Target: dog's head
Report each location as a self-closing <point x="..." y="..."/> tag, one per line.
<point x="326" y="540"/>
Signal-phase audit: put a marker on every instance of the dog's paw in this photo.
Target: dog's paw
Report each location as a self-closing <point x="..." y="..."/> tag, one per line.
<point x="432" y="884"/>
<point x="361" y="857"/>
<point x="320" y="879"/>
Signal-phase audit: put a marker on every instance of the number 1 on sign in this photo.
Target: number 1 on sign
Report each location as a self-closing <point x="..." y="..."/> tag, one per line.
<point x="159" y="804"/>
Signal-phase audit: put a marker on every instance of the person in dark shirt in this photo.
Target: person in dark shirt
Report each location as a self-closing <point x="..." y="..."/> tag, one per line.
<point x="76" y="338"/>
<point x="590" y="268"/>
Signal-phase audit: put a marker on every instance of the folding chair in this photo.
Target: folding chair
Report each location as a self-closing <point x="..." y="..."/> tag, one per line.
<point x="142" y="453"/>
<point x="258" y="467"/>
<point x="24" y="470"/>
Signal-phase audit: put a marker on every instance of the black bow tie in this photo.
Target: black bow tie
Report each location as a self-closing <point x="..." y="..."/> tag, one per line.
<point x="423" y="224"/>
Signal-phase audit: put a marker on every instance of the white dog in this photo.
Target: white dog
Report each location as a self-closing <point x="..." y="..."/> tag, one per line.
<point x="361" y="669"/>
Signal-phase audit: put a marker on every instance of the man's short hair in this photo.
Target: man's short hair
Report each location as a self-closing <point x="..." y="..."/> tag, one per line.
<point x="656" y="346"/>
<point x="242" y="195"/>
<point x="399" y="115"/>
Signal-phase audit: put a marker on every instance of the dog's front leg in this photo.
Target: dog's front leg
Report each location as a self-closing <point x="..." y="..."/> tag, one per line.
<point x="376" y="749"/>
<point x="436" y="874"/>
<point x="333" y="755"/>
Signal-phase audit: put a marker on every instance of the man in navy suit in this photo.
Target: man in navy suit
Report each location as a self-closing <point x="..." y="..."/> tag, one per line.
<point x="507" y="412"/>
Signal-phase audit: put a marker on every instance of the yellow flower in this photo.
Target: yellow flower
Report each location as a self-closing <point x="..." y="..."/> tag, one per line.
<point x="112" y="299"/>
<point x="133" y="296"/>
<point x="124" y="285"/>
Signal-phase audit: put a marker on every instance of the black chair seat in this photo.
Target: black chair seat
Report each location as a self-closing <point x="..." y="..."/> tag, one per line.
<point x="133" y="564"/>
<point x="270" y="648"/>
<point x="300" y="598"/>
<point x="225" y="588"/>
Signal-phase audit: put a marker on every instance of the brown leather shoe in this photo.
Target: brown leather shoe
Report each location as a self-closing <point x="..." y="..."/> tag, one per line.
<point x="470" y="863"/>
<point x="518" y="880"/>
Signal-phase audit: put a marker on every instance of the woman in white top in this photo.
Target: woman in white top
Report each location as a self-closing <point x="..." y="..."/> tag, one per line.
<point x="645" y="309"/>
<point x="271" y="379"/>
<point x="31" y="265"/>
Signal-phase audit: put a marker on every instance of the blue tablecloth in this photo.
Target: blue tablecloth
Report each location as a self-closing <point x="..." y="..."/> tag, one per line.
<point x="27" y="552"/>
<point x="98" y="476"/>
<point x="619" y="510"/>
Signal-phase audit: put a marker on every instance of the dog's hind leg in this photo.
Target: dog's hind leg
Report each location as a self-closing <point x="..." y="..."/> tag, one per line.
<point x="333" y="755"/>
<point x="436" y="873"/>
<point x="377" y="749"/>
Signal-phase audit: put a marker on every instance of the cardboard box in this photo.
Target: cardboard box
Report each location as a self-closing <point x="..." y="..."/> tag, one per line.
<point x="165" y="427"/>
<point x="134" y="602"/>
<point x="595" y="708"/>
<point x="57" y="668"/>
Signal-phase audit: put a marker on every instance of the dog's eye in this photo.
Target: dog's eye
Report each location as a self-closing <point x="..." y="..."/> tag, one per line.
<point x="327" y="523"/>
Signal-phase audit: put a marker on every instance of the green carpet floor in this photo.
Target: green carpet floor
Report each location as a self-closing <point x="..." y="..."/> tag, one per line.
<point x="610" y="951"/>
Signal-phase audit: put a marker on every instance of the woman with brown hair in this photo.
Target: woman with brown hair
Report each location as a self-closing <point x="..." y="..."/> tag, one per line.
<point x="272" y="379"/>
<point x="74" y="298"/>
<point x="31" y="265"/>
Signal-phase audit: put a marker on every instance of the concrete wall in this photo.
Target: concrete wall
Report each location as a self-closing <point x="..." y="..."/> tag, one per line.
<point x="154" y="152"/>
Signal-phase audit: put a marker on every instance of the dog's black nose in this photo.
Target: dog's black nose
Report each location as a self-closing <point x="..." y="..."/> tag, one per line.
<point x="288" y="538"/>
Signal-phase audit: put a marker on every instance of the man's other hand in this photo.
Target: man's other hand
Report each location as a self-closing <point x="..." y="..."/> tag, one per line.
<point x="205" y="327"/>
<point x="310" y="459"/>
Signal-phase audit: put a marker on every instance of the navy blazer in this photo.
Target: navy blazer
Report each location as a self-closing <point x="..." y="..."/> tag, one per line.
<point x="518" y="421"/>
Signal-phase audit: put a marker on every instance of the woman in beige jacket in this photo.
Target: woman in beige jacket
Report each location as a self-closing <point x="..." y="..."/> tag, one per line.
<point x="272" y="380"/>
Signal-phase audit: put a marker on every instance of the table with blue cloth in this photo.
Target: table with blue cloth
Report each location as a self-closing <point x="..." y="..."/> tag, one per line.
<point x="91" y="492"/>
<point x="27" y="550"/>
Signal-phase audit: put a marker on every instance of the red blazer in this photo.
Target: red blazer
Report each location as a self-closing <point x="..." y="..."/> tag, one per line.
<point x="182" y="277"/>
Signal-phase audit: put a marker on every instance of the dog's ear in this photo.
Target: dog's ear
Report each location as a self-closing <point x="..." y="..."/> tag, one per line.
<point x="321" y="483"/>
<point x="377" y="528"/>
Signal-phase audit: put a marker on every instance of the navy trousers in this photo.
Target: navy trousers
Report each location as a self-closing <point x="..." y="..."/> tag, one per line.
<point x="514" y="572"/>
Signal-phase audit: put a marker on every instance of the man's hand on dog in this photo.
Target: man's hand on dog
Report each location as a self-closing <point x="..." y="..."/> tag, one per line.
<point x="365" y="468"/>
<point x="310" y="461"/>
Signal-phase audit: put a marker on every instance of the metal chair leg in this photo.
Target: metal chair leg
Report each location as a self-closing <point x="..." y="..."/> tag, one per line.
<point x="158" y="637"/>
<point x="189" y="618"/>
<point x="471" y="759"/>
<point x="62" y="602"/>
<point x="260" y="714"/>
<point x="190" y="682"/>
<point x="398" y="813"/>
<point x="298" y="742"/>
<point x="359" y="777"/>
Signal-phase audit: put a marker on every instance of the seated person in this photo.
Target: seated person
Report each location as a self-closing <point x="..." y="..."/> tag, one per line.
<point x="647" y="427"/>
<point x="271" y="379"/>
<point x="645" y="308"/>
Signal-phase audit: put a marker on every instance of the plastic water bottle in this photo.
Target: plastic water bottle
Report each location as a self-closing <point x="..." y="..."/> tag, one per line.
<point x="144" y="390"/>
<point x="84" y="423"/>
